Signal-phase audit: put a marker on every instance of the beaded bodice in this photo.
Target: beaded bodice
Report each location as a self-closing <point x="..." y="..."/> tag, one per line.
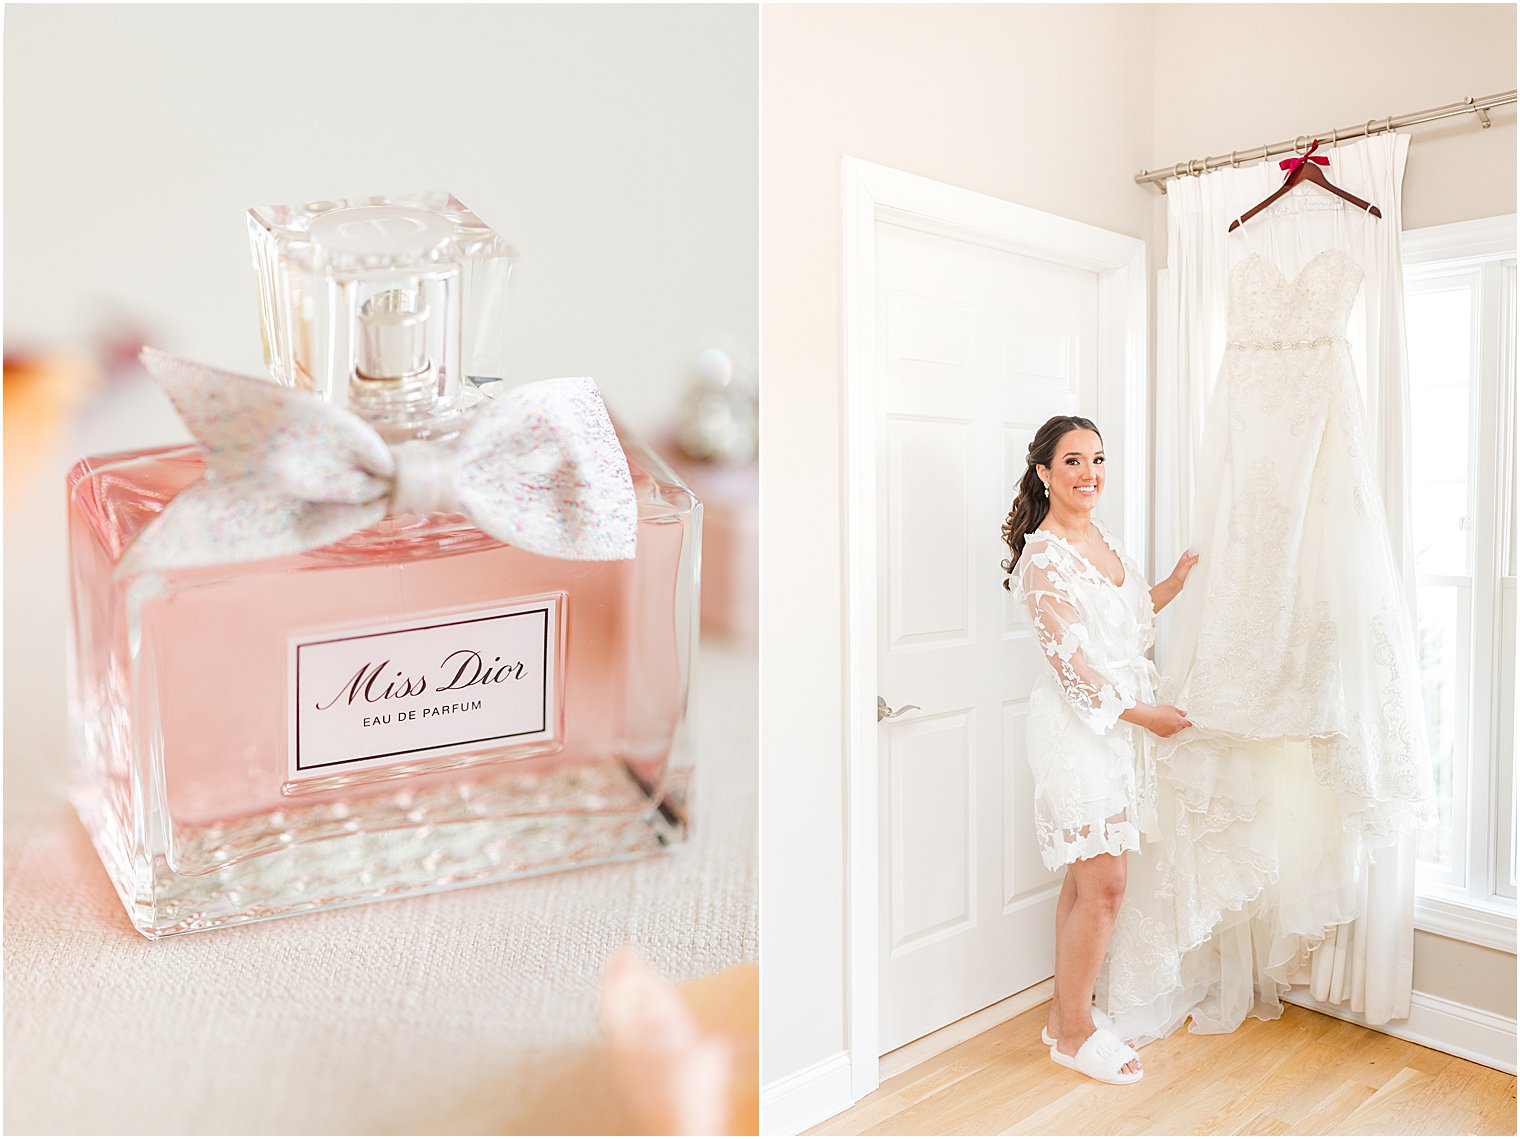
<point x="1269" y="312"/>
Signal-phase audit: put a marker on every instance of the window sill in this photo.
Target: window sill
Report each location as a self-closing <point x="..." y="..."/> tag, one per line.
<point x="1490" y="922"/>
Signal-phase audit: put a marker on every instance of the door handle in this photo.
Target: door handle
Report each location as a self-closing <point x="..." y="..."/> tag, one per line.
<point x="885" y="713"/>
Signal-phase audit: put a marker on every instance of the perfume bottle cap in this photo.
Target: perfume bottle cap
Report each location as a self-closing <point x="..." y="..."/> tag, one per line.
<point x="392" y="303"/>
<point x="387" y="231"/>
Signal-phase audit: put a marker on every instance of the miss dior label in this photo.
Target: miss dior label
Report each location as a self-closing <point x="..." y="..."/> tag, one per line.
<point x="396" y="694"/>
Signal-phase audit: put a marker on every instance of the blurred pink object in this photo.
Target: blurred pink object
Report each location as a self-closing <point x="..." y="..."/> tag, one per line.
<point x="730" y="497"/>
<point x="684" y="1060"/>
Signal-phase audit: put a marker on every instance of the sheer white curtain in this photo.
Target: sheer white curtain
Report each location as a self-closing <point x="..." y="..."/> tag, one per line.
<point x="1367" y="964"/>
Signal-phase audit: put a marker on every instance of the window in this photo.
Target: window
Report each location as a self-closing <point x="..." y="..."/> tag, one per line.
<point x="1460" y="317"/>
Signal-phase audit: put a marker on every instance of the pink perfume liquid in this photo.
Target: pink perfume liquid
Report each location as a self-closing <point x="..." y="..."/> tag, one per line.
<point x="182" y="692"/>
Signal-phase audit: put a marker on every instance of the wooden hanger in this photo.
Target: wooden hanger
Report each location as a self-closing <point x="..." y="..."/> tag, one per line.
<point x="1305" y="169"/>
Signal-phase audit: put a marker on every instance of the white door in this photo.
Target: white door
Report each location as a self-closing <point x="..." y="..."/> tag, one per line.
<point x="976" y="347"/>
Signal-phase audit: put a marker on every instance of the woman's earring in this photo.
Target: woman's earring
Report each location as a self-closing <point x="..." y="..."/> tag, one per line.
<point x="1046" y="485"/>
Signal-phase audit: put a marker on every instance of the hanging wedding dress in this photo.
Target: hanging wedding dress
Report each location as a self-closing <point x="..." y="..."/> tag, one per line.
<point x="1293" y="656"/>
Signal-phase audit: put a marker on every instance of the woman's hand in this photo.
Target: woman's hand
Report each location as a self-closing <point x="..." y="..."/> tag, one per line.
<point x="1184" y="567"/>
<point x="1161" y="719"/>
<point x="1162" y="595"/>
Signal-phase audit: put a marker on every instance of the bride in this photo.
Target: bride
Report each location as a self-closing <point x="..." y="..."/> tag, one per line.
<point x="1091" y="719"/>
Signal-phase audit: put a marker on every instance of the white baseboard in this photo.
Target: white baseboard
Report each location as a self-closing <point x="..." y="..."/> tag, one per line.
<point x="1460" y="1030"/>
<point x="822" y="1090"/>
<point x="899" y="1060"/>
<point x="799" y="1101"/>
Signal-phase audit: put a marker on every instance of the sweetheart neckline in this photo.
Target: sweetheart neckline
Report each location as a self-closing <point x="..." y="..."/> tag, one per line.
<point x="1282" y="277"/>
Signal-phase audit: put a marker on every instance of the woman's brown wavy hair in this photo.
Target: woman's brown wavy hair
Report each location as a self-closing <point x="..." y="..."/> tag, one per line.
<point x="1030" y="502"/>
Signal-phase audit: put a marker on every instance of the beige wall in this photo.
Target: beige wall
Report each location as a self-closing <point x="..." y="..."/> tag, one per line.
<point x="1043" y="105"/>
<point x="1229" y="76"/>
<point x="1468" y="974"/>
<point x="1054" y="107"/>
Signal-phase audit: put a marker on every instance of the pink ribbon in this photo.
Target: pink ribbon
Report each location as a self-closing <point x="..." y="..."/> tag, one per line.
<point x="1292" y="164"/>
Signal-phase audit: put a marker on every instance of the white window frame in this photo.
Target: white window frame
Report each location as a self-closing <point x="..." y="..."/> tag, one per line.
<point x="1482" y="909"/>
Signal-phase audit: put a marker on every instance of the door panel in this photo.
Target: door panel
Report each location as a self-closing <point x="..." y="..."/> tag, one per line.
<point x="978" y="346"/>
<point x="932" y="781"/>
<point x="928" y="568"/>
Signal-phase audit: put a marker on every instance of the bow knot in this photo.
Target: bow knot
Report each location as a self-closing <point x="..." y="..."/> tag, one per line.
<point x="1292" y="164"/>
<point x="539" y="468"/>
<point x="424" y="479"/>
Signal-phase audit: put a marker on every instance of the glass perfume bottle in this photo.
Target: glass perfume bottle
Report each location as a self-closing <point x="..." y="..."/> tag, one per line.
<point x="414" y="706"/>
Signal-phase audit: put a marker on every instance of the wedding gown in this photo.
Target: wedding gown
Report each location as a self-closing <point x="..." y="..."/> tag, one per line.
<point x="1293" y="657"/>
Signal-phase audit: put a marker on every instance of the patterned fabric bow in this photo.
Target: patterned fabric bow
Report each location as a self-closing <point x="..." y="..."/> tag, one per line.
<point x="1292" y="164"/>
<point x="539" y="468"/>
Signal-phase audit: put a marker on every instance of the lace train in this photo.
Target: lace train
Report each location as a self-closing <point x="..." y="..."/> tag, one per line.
<point x="1255" y="870"/>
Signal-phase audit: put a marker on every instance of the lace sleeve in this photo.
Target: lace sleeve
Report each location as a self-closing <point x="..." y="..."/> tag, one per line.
<point x="1046" y="587"/>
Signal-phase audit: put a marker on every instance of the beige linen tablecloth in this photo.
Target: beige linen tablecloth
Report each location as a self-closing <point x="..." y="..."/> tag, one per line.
<point x="472" y="1011"/>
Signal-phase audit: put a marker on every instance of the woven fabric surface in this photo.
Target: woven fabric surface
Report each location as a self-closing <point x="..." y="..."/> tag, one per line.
<point x="468" y="1011"/>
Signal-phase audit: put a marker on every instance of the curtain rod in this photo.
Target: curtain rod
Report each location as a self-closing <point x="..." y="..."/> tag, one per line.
<point x="1468" y="106"/>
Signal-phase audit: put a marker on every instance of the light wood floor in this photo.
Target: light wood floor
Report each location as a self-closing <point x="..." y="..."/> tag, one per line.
<point x="1305" y="1074"/>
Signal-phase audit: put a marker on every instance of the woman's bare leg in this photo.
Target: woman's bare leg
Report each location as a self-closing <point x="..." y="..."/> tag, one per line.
<point x="1082" y="943"/>
<point x="1064" y="903"/>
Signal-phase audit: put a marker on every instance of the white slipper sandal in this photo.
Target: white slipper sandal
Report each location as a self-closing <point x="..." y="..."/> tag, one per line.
<point x="1100" y="1020"/>
<point x="1102" y="1057"/>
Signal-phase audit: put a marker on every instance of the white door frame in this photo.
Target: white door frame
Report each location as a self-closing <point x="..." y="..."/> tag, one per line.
<point x="875" y="193"/>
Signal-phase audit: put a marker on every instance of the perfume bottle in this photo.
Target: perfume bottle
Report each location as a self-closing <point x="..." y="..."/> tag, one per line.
<point x="414" y="704"/>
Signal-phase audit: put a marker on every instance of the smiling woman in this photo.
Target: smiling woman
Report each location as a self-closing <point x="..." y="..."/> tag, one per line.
<point x="1094" y="618"/>
<point x="1032" y="500"/>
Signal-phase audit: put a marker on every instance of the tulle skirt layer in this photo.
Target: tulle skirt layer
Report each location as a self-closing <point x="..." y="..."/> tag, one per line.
<point x="1255" y="865"/>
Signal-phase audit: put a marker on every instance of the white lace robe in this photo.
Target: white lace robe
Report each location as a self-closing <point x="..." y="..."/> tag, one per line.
<point x="1093" y="779"/>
